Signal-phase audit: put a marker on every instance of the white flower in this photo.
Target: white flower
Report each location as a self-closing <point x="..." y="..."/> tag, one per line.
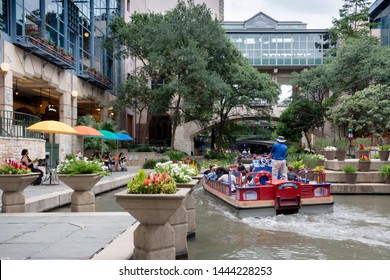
<point x="330" y="148"/>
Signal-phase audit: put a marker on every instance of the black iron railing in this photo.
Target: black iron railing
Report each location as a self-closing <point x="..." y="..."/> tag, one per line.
<point x="14" y="124"/>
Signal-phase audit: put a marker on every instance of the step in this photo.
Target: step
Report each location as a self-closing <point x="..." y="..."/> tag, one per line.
<point x="360" y="188"/>
<point x="338" y="165"/>
<point x="362" y="177"/>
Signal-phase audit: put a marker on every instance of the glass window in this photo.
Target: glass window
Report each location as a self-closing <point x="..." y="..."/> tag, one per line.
<point x="3" y="16"/>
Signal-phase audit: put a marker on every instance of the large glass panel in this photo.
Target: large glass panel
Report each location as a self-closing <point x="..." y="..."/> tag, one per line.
<point x="3" y="15"/>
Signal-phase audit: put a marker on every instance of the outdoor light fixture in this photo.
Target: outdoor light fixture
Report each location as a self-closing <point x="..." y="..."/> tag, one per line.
<point x="86" y="34"/>
<point x="16" y="88"/>
<point x="74" y="93"/>
<point x="40" y="94"/>
<point x="5" y="67"/>
<point x="50" y="107"/>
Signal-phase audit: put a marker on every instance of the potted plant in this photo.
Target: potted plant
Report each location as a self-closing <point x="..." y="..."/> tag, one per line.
<point x="81" y="176"/>
<point x="321" y="160"/>
<point x="321" y="143"/>
<point x="384" y="152"/>
<point x="330" y="152"/>
<point x="362" y="147"/>
<point x="350" y="174"/>
<point x="14" y="178"/>
<point x="297" y="165"/>
<point x="364" y="163"/>
<point x="384" y="170"/>
<point x="152" y="200"/>
<point x="342" y="145"/>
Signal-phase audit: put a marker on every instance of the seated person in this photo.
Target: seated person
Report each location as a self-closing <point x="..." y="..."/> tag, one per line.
<point x="26" y="161"/>
<point x="229" y="179"/>
<point x="291" y="176"/>
<point x="79" y="155"/>
<point x="209" y="170"/>
<point x="108" y="160"/>
<point x="121" y="163"/>
<point x="96" y="155"/>
<point x="212" y="174"/>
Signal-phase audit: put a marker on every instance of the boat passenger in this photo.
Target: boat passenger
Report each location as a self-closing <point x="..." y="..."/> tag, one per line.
<point x="228" y="178"/>
<point x="209" y="170"/>
<point x="291" y="176"/>
<point x="212" y="174"/>
<point x="219" y="172"/>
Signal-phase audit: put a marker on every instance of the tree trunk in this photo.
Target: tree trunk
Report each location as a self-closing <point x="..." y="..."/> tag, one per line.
<point x="139" y="128"/>
<point x="175" y="122"/>
<point x="308" y="140"/>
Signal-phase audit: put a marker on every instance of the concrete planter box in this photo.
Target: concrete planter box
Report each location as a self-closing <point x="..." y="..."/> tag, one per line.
<point x="154" y="238"/>
<point x="83" y="199"/>
<point x="12" y="185"/>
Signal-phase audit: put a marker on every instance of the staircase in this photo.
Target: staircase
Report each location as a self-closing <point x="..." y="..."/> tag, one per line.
<point x="369" y="182"/>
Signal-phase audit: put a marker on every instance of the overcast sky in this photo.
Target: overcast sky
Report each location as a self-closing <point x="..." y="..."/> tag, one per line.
<point x="317" y="14"/>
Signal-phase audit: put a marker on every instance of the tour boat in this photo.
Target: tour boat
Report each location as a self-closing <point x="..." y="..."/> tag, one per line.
<point x="267" y="197"/>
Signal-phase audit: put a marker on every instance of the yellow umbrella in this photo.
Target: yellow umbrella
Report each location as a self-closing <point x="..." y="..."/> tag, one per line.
<point x="52" y="127"/>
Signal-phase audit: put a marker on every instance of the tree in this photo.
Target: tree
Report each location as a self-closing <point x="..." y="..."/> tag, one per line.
<point x="244" y="88"/>
<point x="179" y="58"/>
<point x="301" y="116"/>
<point x="366" y="111"/>
<point x="353" y="21"/>
<point x="135" y="94"/>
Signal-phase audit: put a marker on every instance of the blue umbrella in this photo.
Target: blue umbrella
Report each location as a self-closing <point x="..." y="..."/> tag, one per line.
<point x="123" y="137"/>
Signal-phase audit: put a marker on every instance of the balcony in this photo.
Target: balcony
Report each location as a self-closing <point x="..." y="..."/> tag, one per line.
<point x="95" y="77"/>
<point x="46" y="50"/>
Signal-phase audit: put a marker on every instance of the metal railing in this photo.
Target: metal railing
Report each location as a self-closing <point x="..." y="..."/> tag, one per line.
<point x="14" y="124"/>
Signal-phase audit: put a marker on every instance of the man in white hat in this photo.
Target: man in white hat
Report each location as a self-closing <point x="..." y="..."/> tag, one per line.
<point x="278" y="154"/>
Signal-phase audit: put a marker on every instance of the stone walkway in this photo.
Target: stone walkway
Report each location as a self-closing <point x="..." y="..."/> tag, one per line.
<point x="56" y="236"/>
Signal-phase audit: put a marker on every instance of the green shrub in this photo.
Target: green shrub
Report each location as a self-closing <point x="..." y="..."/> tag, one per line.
<point x="384" y="170"/>
<point x="364" y="141"/>
<point x="342" y="144"/>
<point x="349" y="169"/>
<point x="384" y="147"/>
<point x="151" y="163"/>
<point x="310" y="161"/>
<point x="144" y="149"/>
<point x="176" y="155"/>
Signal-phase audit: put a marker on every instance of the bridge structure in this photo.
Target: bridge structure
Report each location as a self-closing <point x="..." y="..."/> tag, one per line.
<point x="185" y="134"/>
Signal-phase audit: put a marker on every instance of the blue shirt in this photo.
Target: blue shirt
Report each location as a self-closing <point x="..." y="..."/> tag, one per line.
<point x="279" y="151"/>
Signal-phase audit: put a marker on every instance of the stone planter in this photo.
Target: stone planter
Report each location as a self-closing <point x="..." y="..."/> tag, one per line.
<point x="384" y="155"/>
<point x="12" y="185"/>
<point x="341" y="155"/>
<point x="82" y="199"/>
<point x="329" y="155"/>
<point x="364" y="166"/>
<point x="351" y="178"/>
<point x="154" y="238"/>
<point x="183" y="220"/>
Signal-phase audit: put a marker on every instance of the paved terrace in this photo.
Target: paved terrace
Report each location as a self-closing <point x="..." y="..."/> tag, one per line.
<point x="49" y="236"/>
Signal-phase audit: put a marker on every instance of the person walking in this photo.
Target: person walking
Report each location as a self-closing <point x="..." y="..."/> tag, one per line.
<point x="278" y="155"/>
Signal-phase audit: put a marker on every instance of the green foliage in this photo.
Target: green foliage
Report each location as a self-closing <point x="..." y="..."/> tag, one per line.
<point x="366" y="142"/>
<point x="295" y="149"/>
<point x="151" y="163"/>
<point x="75" y="166"/>
<point x="321" y="143"/>
<point x="143" y="149"/>
<point x="366" y="110"/>
<point x="353" y="20"/>
<point x="349" y="169"/>
<point x="384" y="170"/>
<point x="301" y="116"/>
<point x="143" y="183"/>
<point x="176" y="155"/>
<point x="342" y="144"/>
<point x="384" y="147"/>
<point x="310" y="161"/>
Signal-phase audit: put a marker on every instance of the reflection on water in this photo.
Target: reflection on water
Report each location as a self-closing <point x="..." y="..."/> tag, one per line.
<point x="359" y="228"/>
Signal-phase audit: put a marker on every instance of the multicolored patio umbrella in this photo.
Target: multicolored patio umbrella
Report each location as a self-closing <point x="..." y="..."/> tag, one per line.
<point x="86" y="131"/>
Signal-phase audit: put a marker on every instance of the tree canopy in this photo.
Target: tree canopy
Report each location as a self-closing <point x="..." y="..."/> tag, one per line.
<point x="195" y="71"/>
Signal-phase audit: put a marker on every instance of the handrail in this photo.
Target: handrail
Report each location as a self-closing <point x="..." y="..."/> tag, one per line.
<point x="14" y="124"/>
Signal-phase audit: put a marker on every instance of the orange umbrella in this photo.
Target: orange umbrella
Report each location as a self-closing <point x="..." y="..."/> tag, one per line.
<point x="86" y="131"/>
